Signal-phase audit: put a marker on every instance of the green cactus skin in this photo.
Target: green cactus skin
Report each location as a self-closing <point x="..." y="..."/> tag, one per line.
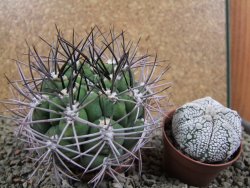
<point x="53" y="85"/>
<point x="108" y="83"/>
<point x="129" y="105"/>
<point x="87" y="71"/>
<point x="137" y="112"/>
<point x="206" y="130"/>
<point x="81" y="129"/>
<point x="53" y="106"/>
<point x="130" y="143"/>
<point x="68" y="153"/>
<point x="97" y="162"/>
<point x="90" y="110"/>
<point x="80" y="93"/>
<point x="53" y="132"/>
<point x="117" y="109"/>
<point x="123" y="83"/>
<point x="93" y="109"/>
<point x="92" y="130"/>
<point x="41" y="115"/>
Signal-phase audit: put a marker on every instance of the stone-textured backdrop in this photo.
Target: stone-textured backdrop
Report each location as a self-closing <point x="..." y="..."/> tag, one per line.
<point x="190" y="34"/>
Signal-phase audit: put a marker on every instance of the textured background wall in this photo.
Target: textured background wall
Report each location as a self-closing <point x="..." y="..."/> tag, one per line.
<point x="190" y="34"/>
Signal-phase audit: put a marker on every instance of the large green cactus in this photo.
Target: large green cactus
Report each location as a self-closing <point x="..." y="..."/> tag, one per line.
<point x="206" y="130"/>
<point x="87" y="106"/>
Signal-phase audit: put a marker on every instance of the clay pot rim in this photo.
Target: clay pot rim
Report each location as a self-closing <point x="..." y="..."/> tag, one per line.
<point x="236" y="157"/>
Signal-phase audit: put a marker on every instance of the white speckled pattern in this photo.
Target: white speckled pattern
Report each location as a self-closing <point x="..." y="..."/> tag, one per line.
<point x="206" y="130"/>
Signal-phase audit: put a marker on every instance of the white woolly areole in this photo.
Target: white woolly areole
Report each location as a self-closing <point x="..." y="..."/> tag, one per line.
<point x="38" y="100"/>
<point x="111" y="61"/>
<point x="78" y="63"/>
<point x="89" y="82"/>
<point x="112" y="96"/>
<point x="125" y="67"/>
<point x="106" y="131"/>
<point x="51" y="145"/>
<point x="206" y="130"/>
<point x="55" y="76"/>
<point x="118" y="77"/>
<point x="142" y="84"/>
<point x="65" y="92"/>
<point x="35" y="102"/>
<point x="71" y="113"/>
<point x="138" y="96"/>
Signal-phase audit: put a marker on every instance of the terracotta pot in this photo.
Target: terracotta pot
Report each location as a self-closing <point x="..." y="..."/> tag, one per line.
<point x="189" y="171"/>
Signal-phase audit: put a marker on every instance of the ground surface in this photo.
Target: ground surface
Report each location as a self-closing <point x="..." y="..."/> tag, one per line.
<point x="15" y="167"/>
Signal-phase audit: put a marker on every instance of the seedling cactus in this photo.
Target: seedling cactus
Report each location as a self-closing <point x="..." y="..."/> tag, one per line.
<point x="207" y="131"/>
<point x="88" y="107"/>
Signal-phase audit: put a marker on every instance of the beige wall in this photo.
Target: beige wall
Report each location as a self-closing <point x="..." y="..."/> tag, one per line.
<point x="190" y="34"/>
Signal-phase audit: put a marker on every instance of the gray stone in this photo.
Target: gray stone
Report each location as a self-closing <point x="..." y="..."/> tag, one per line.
<point x="16" y="172"/>
<point x="239" y="164"/>
<point x="121" y="178"/>
<point x="247" y="180"/>
<point x="226" y="184"/>
<point x="25" y="185"/>
<point x="103" y="184"/>
<point x="15" y="162"/>
<point x="9" y="179"/>
<point x="148" y="181"/>
<point x="117" y="185"/>
<point x="247" y="161"/>
<point x="135" y="177"/>
<point x="128" y="184"/>
<point x="4" y="162"/>
<point x="239" y="183"/>
<point x="1" y="170"/>
<point x="26" y="170"/>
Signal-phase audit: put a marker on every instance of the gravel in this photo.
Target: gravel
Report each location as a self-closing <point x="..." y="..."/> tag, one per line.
<point x="15" y="167"/>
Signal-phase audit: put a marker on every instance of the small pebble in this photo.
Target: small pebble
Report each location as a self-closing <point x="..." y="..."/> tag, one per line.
<point x="9" y="179"/>
<point x="117" y="185"/>
<point x="25" y="185"/>
<point x="103" y="185"/>
<point x="247" y="181"/>
<point x="147" y="181"/>
<point x="239" y="164"/>
<point x="17" y="152"/>
<point x="17" y="180"/>
<point x="226" y="184"/>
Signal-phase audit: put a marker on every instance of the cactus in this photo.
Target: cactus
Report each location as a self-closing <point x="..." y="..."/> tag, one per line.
<point x="89" y="107"/>
<point x="206" y="130"/>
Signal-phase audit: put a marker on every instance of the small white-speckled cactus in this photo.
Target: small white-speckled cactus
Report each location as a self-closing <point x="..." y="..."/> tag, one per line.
<point x="206" y="130"/>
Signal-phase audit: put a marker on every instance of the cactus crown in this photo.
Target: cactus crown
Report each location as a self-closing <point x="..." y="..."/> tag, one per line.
<point x="87" y="107"/>
<point x="206" y="130"/>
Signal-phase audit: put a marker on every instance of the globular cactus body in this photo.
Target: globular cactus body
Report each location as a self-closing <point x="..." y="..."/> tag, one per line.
<point x="88" y="111"/>
<point x="206" y="130"/>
